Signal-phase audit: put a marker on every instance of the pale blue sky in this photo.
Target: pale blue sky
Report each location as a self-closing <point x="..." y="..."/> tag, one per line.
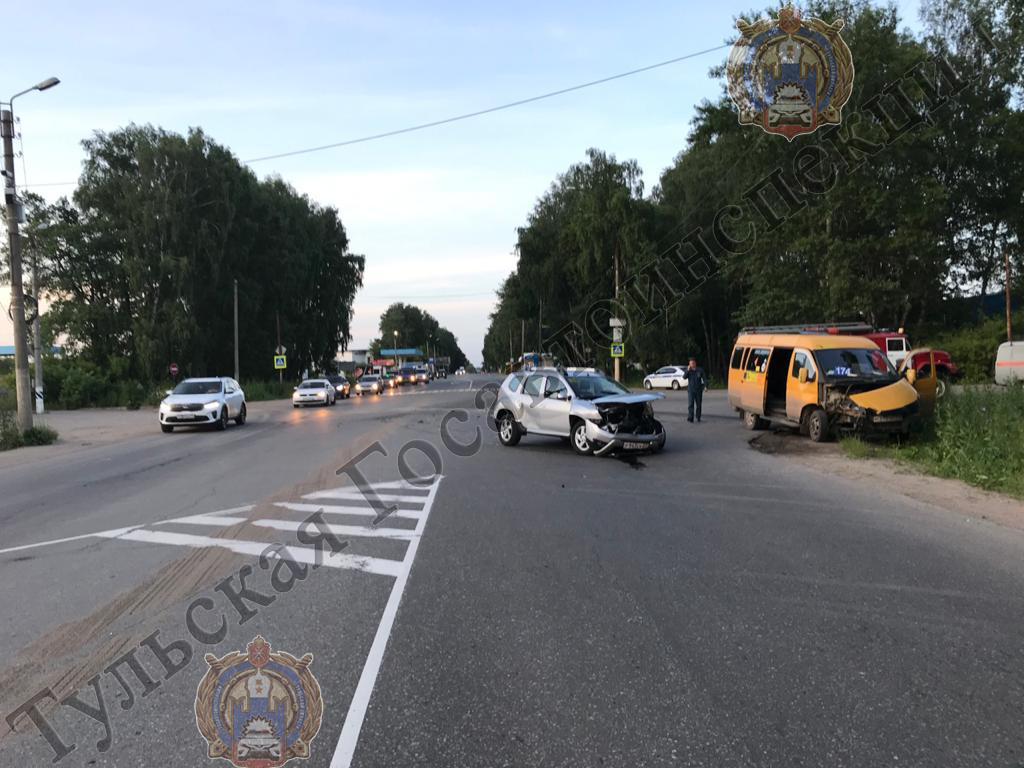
<point x="435" y="212"/>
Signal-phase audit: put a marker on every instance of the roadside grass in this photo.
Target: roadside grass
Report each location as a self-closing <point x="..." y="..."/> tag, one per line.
<point x="11" y="438"/>
<point x="976" y="436"/>
<point x="267" y="390"/>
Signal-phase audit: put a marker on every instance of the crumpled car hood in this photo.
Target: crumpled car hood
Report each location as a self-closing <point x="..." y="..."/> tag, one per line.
<point x="626" y="399"/>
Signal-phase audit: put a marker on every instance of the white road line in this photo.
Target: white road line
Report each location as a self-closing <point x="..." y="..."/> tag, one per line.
<point x="332" y="509"/>
<point x="349" y="738"/>
<point x="348" y="493"/>
<point x="209" y="519"/>
<point x="360" y="531"/>
<point x="375" y="565"/>
<point x="111" y="533"/>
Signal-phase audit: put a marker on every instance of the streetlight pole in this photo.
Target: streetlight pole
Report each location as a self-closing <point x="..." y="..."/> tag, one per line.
<point x="37" y="335"/>
<point x="21" y="375"/>
<point x="398" y="360"/>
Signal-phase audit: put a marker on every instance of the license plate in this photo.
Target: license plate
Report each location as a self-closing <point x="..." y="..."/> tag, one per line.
<point x="887" y="419"/>
<point x="634" y="446"/>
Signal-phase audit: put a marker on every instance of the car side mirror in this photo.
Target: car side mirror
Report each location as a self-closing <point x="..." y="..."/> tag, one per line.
<point x="802" y="376"/>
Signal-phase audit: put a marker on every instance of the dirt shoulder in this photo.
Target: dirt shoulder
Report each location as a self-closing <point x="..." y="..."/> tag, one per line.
<point x="80" y="429"/>
<point x="951" y="495"/>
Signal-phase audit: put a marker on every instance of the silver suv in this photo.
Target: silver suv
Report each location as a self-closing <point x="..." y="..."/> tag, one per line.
<point x="596" y="413"/>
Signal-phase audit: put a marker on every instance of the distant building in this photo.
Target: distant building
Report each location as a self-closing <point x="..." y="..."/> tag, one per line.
<point x="7" y="352"/>
<point x="354" y="356"/>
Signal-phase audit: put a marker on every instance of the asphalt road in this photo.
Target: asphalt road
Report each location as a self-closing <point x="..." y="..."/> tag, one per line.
<point x="707" y="606"/>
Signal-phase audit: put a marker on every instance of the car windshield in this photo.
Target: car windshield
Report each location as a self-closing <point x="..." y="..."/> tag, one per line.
<point x="198" y="388"/>
<point x="855" y="364"/>
<point x="593" y="386"/>
<point x="312" y="384"/>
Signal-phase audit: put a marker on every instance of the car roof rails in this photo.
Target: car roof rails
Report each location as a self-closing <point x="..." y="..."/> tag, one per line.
<point x="828" y="328"/>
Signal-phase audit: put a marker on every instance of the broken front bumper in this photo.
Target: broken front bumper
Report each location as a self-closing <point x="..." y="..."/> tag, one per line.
<point x="623" y="441"/>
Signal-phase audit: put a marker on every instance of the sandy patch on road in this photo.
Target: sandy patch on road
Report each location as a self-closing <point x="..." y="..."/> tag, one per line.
<point x="899" y="479"/>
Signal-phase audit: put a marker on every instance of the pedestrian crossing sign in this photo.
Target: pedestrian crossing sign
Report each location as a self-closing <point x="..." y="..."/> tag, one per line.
<point x="618" y="350"/>
<point x="280" y="362"/>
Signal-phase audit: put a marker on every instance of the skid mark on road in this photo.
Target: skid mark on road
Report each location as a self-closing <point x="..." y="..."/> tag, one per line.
<point x="234" y="536"/>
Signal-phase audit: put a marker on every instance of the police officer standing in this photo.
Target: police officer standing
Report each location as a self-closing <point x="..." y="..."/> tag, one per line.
<point x="695" y="384"/>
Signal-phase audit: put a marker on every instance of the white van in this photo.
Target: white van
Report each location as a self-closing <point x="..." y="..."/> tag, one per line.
<point x="1010" y="362"/>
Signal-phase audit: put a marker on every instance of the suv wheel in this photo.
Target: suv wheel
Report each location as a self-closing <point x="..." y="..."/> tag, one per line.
<point x="166" y="428"/>
<point x="675" y="384"/>
<point x="648" y="385"/>
<point x="222" y="422"/>
<point x="580" y="442"/>
<point x="508" y="430"/>
<point x="240" y="419"/>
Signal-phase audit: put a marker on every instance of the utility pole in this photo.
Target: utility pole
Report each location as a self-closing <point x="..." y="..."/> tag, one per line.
<point x="237" y="377"/>
<point x="280" y="373"/>
<point x="615" y="361"/>
<point x="522" y="339"/>
<point x="21" y="377"/>
<point x="37" y="335"/>
<point x="540" y="333"/>
<point x="1009" y="328"/>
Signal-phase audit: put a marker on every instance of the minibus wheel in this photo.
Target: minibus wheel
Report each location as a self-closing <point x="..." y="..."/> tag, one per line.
<point x="817" y="425"/>
<point x="752" y="421"/>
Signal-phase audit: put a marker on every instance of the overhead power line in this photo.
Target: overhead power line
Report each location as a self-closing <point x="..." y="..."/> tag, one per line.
<point x="489" y="110"/>
<point x="458" y="118"/>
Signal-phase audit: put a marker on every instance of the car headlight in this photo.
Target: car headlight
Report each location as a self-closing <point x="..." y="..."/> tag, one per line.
<point x="165" y="407"/>
<point x="211" y="406"/>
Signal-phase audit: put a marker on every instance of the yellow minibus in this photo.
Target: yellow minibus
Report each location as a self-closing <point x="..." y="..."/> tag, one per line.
<point x="822" y="383"/>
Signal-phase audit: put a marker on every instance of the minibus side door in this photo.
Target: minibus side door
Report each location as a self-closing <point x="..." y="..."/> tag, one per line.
<point x="802" y="383"/>
<point x="754" y="376"/>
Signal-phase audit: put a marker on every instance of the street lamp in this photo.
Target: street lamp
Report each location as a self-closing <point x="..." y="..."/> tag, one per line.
<point x="21" y="377"/>
<point x="398" y="360"/>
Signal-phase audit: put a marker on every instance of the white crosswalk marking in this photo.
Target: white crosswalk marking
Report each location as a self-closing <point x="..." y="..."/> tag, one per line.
<point x="331" y="509"/>
<point x="308" y="555"/>
<point x="414" y="503"/>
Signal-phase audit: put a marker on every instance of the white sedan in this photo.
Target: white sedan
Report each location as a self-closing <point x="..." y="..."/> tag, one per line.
<point x="669" y="377"/>
<point x="314" y="392"/>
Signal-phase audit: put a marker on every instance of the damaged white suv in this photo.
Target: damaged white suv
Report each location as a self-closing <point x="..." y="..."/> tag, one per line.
<point x="596" y="413"/>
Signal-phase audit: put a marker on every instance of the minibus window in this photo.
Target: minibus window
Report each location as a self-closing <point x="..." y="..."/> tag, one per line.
<point x="800" y="362"/>
<point x="757" y="360"/>
<point x="737" y="357"/>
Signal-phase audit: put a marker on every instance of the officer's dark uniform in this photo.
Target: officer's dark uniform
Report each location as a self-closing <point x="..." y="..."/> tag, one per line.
<point x="695" y="383"/>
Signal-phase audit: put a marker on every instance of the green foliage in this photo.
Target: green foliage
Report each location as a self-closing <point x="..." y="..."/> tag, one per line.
<point x="10" y="437"/>
<point x="974" y="348"/>
<point x="140" y="266"/>
<point x="416" y="328"/>
<point x="922" y="221"/>
<point x="267" y="390"/>
<point x="977" y="436"/>
<point x="39" y="436"/>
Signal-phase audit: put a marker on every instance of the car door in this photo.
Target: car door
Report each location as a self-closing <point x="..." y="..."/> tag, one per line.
<point x="230" y="397"/>
<point x="754" y="374"/>
<point x="662" y="377"/>
<point x="530" y="397"/>
<point x="927" y="382"/>
<point x="896" y="350"/>
<point x="801" y="390"/>
<point x="551" y="414"/>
